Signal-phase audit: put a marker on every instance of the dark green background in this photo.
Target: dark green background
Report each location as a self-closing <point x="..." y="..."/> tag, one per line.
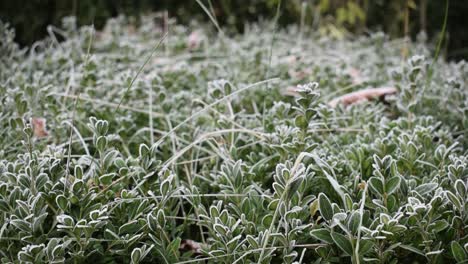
<point x="31" y="17"/>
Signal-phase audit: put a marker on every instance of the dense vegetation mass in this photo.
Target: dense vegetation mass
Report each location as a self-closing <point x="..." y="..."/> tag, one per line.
<point x="204" y="152"/>
<point x="397" y="18"/>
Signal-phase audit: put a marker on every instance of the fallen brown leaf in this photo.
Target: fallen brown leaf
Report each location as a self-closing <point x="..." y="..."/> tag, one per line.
<point x="190" y="245"/>
<point x="290" y="91"/>
<point x="362" y="95"/>
<point x="194" y="40"/>
<point x="355" y="75"/>
<point x="39" y="127"/>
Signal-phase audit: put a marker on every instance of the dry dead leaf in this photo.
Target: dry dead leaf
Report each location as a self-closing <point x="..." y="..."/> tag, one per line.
<point x="194" y="40"/>
<point x="290" y="60"/>
<point x="362" y="95"/>
<point x="298" y="74"/>
<point x="190" y="245"/>
<point x="290" y="91"/>
<point x="362" y="185"/>
<point x="39" y="127"/>
<point x="355" y="75"/>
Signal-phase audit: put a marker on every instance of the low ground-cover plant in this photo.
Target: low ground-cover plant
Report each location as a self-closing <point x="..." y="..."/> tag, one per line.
<point x="197" y="153"/>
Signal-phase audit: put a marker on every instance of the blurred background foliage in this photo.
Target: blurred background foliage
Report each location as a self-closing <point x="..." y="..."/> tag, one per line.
<point x="397" y="18"/>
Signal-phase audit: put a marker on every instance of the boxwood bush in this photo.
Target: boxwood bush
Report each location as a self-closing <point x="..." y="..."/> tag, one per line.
<point x="122" y="146"/>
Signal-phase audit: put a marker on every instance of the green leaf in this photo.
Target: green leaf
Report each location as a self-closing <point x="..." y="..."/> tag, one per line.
<point x="454" y="199"/>
<point x="174" y="245"/>
<point x="78" y="172"/>
<point x="279" y="189"/>
<point x="252" y="241"/>
<point x="301" y="122"/>
<point x="120" y="163"/>
<point x="391" y="203"/>
<point x="77" y="186"/>
<point x="4" y="207"/>
<point x="152" y="222"/>
<point x="392" y="185"/>
<point x="412" y="249"/>
<point x="129" y="228"/>
<point x="101" y="143"/>
<point x="136" y="253"/>
<point x="460" y="187"/>
<point x="221" y="229"/>
<point x="343" y="243"/>
<point x="165" y="186"/>
<point x="294" y="186"/>
<point x="365" y="246"/>
<point x="109" y="234"/>
<point x="21" y="225"/>
<point x="25" y="258"/>
<point x="354" y="221"/>
<point x="161" y="217"/>
<point x="376" y="185"/>
<point x="438" y="226"/>
<point x="322" y="234"/>
<point x="348" y="202"/>
<point x="66" y="220"/>
<point x="144" y="150"/>
<point x="106" y="179"/>
<point x="41" y="180"/>
<point x="325" y="206"/>
<point x="426" y="188"/>
<point x="458" y="252"/>
<point x="53" y="246"/>
<point x="62" y="202"/>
